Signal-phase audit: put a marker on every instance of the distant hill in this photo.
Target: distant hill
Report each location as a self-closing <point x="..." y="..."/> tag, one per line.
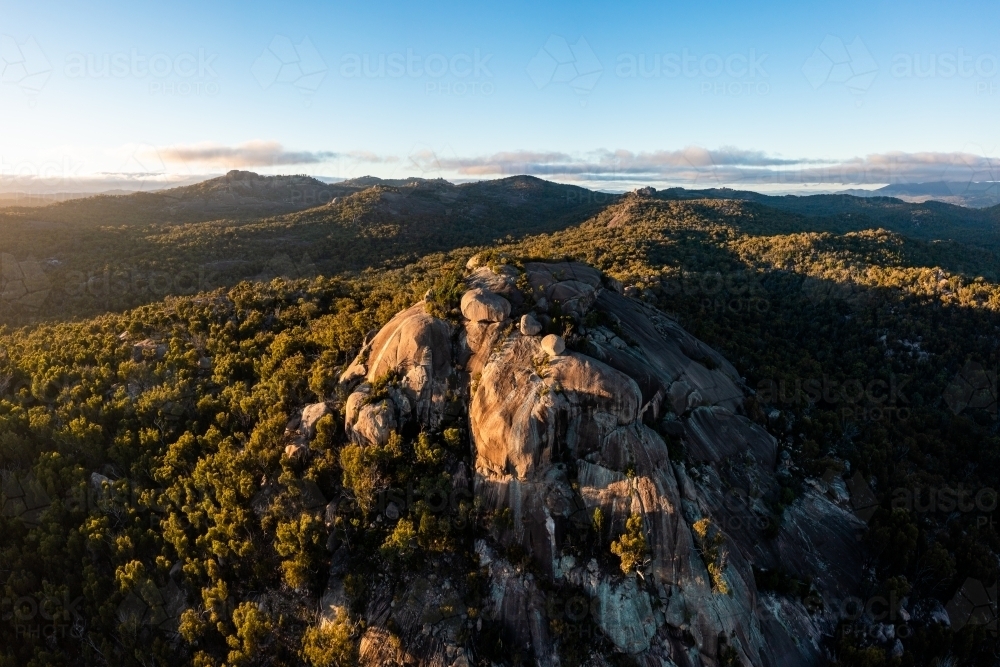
<point x="839" y="213"/>
<point x="238" y="194"/>
<point x="960" y="193"/>
<point x="35" y="199"/>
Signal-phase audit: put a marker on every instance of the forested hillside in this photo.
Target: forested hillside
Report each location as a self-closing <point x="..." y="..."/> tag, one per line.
<point x="930" y="220"/>
<point x="85" y="257"/>
<point x="152" y="513"/>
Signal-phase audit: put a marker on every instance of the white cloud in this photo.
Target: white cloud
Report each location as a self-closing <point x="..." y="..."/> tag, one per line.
<point x="249" y="154"/>
<point x="699" y="166"/>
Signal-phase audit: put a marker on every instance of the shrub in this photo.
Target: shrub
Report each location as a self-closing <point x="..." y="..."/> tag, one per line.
<point x="329" y="644"/>
<point x="710" y="540"/>
<point x="631" y="546"/>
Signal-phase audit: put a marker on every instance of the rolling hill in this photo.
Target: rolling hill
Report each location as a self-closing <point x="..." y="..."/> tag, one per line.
<point x="92" y="255"/>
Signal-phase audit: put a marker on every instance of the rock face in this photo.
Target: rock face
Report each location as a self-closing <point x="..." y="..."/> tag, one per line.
<point x="570" y="438"/>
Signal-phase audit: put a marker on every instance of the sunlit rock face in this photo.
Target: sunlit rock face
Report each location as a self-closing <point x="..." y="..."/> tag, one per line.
<point x="570" y="439"/>
<point x="416" y="348"/>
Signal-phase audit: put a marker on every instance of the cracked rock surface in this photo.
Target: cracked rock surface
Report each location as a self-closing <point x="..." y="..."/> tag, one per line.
<point x="631" y="416"/>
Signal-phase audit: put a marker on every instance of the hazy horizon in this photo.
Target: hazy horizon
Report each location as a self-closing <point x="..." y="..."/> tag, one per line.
<point x="123" y="184"/>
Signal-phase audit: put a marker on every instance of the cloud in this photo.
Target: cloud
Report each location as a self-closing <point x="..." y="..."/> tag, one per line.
<point x="249" y="154"/>
<point x="695" y="165"/>
<point x="368" y="156"/>
<point x="654" y="164"/>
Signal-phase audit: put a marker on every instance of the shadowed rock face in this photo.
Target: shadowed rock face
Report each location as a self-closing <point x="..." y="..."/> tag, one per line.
<point x="557" y="437"/>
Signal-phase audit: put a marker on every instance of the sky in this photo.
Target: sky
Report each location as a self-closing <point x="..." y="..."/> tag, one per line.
<point x="777" y="96"/>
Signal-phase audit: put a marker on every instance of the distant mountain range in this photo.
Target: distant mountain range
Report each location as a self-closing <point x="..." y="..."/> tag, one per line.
<point x="46" y="198"/>
<point x="242" y="190"/>
<point x="238" y="194"/>
<point x="245" y="226"/>
<point x="974" y="195"/>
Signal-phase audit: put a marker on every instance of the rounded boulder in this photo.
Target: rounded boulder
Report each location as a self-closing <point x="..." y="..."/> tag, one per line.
<point x="553" y="345"/>
<point x="530" y="326"/>
<point x="480" y="305"/>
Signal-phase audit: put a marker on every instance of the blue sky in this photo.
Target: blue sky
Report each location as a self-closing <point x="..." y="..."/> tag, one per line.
<point x="788" y="97"/>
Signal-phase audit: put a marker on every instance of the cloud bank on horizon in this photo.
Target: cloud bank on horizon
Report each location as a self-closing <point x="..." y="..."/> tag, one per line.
<point x="697" y="166"/>
<point x="693" y="166"/>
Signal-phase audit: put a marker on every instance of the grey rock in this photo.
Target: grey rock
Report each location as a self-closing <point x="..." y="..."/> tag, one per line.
<point x="529" y="325"/>
<point x="417" y="348"/>
<point x="97" y="481"/>
<point x="148" y="349"/>
<point x="310" y="415"/>
<point x="480" y="305"/>
<point x="553" y="345"/>
<point x="373" y="423"/>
